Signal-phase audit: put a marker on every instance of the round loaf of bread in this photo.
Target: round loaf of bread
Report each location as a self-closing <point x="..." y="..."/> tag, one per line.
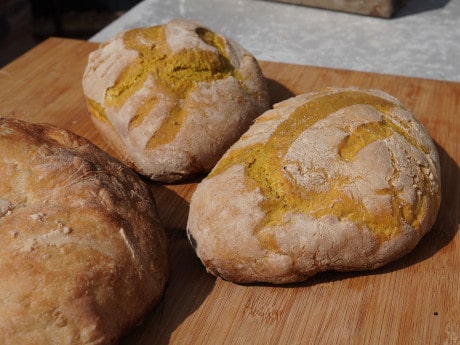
<point x="83" y="254"/>
<point x="343" y="179"/>
<point x="172" y="98"/>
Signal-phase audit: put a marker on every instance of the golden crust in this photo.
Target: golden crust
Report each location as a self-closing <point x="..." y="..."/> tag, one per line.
<point x="172" y="98"/>
<point x="83" y="253"/>
<point x="344" y="179"/>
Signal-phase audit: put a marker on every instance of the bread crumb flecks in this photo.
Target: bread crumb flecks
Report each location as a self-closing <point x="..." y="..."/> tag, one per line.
<point x="38" y="216"/>
<point x="55" y="237"/>
<point x="5" y="207"/>
<point x="29" y="245"/>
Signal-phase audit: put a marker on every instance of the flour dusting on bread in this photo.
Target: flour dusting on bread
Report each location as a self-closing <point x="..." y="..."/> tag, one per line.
<point x="343" y="179"/>
<point x="171" y="98"/>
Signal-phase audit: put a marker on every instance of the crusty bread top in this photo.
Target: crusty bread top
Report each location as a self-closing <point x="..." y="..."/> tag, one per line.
<point x="348" y="169"/>
<point x="172" y="98"/>
<point x="83" y="253"/>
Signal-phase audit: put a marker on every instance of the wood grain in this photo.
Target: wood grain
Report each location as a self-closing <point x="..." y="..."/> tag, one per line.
<point x="415" y="300"/>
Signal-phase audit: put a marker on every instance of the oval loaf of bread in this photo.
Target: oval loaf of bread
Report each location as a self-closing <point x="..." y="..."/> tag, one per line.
<point x="83" y="254"/>
<point x="172" y="98"/>
<point x="343" y="179"/>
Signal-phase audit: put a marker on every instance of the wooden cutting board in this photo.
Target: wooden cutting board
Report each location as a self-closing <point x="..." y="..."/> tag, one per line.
<point x="415" y="300"/>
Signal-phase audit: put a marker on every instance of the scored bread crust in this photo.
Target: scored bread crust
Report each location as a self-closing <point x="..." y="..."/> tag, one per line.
<point x="136" y="83"/>
<point x="343" y="179"/>
<point x="83" y="253"/>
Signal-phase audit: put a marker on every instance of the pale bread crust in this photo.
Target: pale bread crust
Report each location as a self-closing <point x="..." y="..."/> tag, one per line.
<point x="218" y="112"/>
<point x="225" y="211"/>
<point x="83" y="253"/>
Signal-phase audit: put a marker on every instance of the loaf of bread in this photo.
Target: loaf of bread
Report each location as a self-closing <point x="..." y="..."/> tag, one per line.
<point x="171" y="99"/>
<point x="83" y="254"/>
<point x="342" y="179"/>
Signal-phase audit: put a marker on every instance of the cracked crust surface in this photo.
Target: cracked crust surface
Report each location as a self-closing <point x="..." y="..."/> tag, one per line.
<point x="172" y="98"/>
<point x="343" y="179"/>
<point x="83" y="253"/>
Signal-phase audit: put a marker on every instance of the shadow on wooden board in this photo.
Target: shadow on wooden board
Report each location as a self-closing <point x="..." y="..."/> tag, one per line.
<point x="278" y="92"/>
<point x="189" y="284"/>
